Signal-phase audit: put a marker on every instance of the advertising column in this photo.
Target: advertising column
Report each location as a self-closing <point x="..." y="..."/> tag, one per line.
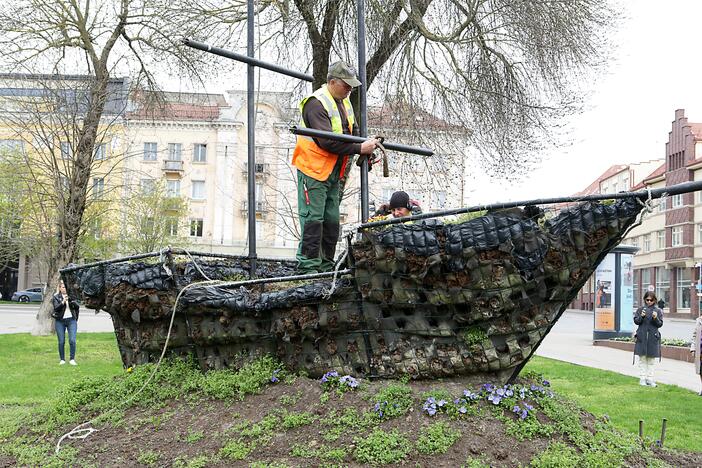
<point x="626" y="292"/>
<point x="605" y="289"/>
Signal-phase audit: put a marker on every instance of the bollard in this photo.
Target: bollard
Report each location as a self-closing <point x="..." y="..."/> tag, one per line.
<point x="665" y="422"/>
<point x="641" y="428"/>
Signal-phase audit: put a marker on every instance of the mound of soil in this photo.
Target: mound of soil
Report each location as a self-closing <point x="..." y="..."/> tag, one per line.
<point x="301" y="424"/>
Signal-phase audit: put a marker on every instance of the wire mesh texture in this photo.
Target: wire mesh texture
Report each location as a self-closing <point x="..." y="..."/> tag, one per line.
<point x="427" y="298"/>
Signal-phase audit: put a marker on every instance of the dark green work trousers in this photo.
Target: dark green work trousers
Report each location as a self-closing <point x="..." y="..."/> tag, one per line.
<point x="318" y="209"/>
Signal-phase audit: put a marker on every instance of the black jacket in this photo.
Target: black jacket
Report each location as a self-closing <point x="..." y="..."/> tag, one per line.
<point x="648" y="335"/>
<point x="60" y="307"/>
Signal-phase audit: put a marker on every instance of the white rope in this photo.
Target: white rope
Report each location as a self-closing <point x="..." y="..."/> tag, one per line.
<point x="81" y="432"/>
<point x="328" y="292"/>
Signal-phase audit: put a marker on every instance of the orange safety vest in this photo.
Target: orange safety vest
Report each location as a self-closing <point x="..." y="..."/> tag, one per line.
<point x="310" y="158"/>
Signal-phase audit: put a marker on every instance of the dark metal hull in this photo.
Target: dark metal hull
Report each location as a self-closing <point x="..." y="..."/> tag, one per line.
<point x="426" y="300"/>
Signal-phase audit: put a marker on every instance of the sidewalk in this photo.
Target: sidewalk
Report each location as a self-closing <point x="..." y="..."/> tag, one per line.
<point x="577" y="348"/>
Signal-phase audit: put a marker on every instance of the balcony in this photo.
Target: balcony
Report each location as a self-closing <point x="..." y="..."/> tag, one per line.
<point x="261" y="207"/>
<point x="173" y="166"/>
<point x="261" y="169"/>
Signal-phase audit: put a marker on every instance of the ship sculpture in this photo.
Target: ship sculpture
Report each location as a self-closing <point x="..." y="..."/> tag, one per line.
<point x="427" y="299"/>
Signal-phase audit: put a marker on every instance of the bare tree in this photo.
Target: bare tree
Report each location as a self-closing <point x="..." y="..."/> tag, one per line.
<point x="97" y="39"/>
<point x="13" y="205"/>
<point x="503" y="72"/>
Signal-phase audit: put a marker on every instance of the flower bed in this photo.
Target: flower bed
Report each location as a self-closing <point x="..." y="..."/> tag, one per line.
<point x="679" y="353"/>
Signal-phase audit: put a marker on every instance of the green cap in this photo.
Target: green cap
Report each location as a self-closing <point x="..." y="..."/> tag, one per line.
<point x="345" y="72"/>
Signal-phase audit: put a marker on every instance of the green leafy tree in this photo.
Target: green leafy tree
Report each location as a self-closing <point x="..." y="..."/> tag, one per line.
<point x="152" y="220"/>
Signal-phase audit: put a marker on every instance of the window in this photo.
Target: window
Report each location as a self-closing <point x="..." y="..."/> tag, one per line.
<point x="147" y="186"/>
<point x="677" y="236"/>
<point x="172" y="226"/>
<point x="196" y="227"/>
<point x="150" y="151"/>
<point x="677" y="201"/>
<point x="200" y="152"/>
<point x="605" y="189"/>
<point x="662" y="204"/>
<point x="12" y="146"/>
<point x="635" y="288"/>
<point x="663" y="284"/>
<point x="100" y="152"/>
<point x="198" y="190"/>
<point x="96" y="228"/>
<point x="63" y="183"/>
<point x="175" y="151"/>
<point x="634" y="241"/>
<point x="699" y="196"/>
<point x="66" y="150"/>
<point x="259" y="229"/>
<point x="645" y="279"/>
<point x="660" y="239"/>
<point x="683" y="287"/>
<point x="647" y="242"/>
<point x="98" y="187"/>
<point x="173" y="188"/>
<point x="699" y="233"/>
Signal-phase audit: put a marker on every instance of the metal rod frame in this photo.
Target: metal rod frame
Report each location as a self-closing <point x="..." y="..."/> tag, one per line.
<point x="245" y="59"/>
<point x="357" y="139"/>
<point x="641" y="195"/>
<point x="251" y="133"/>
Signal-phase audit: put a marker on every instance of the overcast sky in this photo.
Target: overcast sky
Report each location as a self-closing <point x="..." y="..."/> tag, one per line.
<point x="656" y="70"/>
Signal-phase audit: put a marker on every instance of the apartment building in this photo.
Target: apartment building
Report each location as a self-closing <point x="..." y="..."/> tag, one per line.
<point x="669" y="238"/>
<point x="195" y="145"/>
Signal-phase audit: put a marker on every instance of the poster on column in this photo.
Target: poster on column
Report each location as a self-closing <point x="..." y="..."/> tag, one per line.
<point x="626" y="293"/>
<point x="604" y="294"/>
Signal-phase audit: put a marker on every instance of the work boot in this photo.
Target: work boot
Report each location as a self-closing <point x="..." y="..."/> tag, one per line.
<point x="642" y="382"/>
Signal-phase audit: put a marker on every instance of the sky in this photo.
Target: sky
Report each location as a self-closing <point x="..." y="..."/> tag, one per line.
<point x="655" y="70"/>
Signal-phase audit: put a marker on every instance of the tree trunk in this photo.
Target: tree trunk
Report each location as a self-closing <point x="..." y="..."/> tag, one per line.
<point x="44" y="323"/>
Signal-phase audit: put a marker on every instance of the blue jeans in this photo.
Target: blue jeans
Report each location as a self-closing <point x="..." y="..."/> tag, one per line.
<point x="62" y="325"/>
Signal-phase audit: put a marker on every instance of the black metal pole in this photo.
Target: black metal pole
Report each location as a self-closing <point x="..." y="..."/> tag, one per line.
<point x="356" y="139"/>
<point x="251" y="142"/>
<point x="362" y="118"/>
<point x="249" y="60"/>
<point x="641" y="195"/>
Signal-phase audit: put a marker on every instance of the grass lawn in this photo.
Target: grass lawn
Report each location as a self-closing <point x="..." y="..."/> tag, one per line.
<point x="30" y="374"/>
<point x="625" y="401"/>
<point x="30" y="368"/>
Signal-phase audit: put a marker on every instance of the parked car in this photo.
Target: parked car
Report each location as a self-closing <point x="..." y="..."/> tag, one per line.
<point x="28" y="295"/>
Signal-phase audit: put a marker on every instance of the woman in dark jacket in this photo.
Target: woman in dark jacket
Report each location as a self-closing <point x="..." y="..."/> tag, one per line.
<point x="60" y="301"/>
<point x="649" y="318"/>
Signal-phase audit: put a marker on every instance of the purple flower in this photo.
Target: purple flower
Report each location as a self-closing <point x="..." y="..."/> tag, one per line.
<point x="494" y="398"/>
<point x="546" y="383"/>
<point x="441" y="403"/>
<point x="274" y="377"/>
<point x="329" y="376"/>
<point x="462" y="410"/>
<point x="349" y="381"/>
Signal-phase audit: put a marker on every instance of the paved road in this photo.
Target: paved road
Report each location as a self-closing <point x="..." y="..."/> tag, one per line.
<point x="20" y="319"/>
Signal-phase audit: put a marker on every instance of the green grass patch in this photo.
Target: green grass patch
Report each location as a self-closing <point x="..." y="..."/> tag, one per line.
<point x="625" y="402"/>
<point x="31" y="371"/>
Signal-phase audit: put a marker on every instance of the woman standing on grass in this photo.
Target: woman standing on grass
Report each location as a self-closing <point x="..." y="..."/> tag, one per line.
<point x="696" y="347"/>
<point x="649" y="318"/>
<point x="60" y="301"/>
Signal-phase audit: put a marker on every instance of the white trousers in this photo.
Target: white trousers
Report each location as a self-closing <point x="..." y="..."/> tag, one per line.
<point x="646" y="367"/>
